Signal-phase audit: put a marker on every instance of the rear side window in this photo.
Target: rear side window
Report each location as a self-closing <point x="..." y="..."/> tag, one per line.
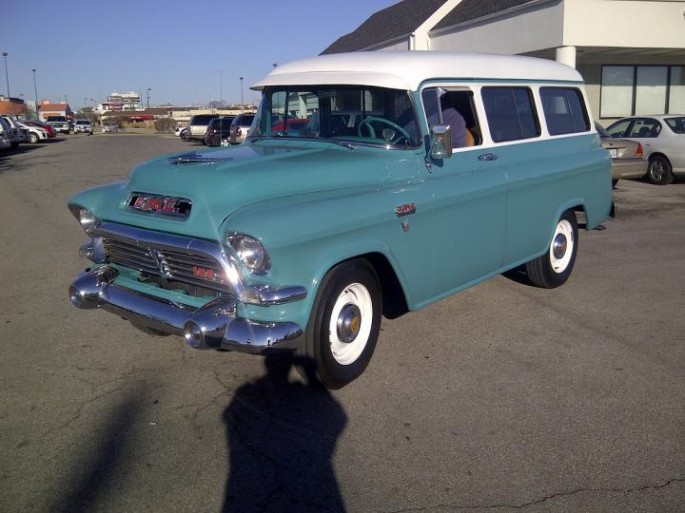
<point x="511" y="113"/>
<point x="564" y="110"/>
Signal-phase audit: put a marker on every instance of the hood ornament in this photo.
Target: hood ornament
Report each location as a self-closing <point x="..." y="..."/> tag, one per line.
<point x="196" y="158"/>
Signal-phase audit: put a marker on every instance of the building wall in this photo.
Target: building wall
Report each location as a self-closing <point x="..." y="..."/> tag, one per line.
<point x="514" y="33"/>
<point x="624" y="24"/>
<point x="636" y="33"/>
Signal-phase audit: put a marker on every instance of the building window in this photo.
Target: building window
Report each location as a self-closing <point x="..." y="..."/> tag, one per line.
<point x="640" y="90"/>
<point x="676" y="97"/>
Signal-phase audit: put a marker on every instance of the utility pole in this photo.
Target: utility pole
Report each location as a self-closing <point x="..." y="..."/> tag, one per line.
<point x="7" y="74"/>
<point x="35" y="90"/>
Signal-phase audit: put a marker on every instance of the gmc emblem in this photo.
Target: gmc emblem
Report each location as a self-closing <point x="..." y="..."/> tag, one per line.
<point x="163" y="205"/>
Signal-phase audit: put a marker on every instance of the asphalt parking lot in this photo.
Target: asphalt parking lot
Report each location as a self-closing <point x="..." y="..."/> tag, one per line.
<point x="502" y="398"/>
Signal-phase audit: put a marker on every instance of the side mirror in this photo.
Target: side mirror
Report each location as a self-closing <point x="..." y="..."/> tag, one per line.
<point x="441" y="142"/>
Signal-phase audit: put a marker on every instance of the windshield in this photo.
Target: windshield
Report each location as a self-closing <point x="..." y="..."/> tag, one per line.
<point x="355" y="114"/>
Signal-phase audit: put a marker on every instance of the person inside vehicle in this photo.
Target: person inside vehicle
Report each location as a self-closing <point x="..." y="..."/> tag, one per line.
<point x="449" y="115"/>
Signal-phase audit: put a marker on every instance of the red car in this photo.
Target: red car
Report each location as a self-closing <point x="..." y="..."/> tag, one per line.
<point x="294" y="126"/>
<point x="48" y="128"/>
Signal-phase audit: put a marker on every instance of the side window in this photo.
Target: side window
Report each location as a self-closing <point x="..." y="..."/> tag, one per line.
<point x="511" y="113"/>
<point x="564" y="110"/>
<point x="456" y="109"/>
<point x="645" y="127"/>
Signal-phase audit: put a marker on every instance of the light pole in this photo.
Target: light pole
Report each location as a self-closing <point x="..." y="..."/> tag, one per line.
<point x="242" y="106"/>
<point x="35" y="90"/>
<point x="148" y="97"/>
<point x="221" y="89"/>
<point x="7" y="75"/>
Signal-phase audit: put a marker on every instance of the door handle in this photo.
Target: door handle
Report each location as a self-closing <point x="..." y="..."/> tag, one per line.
<point x="488" y="156"/>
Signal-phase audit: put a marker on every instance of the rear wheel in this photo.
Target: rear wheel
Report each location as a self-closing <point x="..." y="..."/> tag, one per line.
<point x="554" y="267"/>
<point x="659" y="171"/>
<point x="345" y="322"/>
<point x="33" y="138"/>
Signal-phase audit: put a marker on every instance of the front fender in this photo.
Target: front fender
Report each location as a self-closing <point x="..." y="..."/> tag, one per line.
<point x="309" y="234"/>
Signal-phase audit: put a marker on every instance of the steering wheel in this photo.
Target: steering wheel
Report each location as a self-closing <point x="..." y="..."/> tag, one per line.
<point x="372" y="131"/>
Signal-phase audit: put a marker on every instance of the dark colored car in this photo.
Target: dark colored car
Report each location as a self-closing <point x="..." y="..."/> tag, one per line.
<point x="218" y="131"/>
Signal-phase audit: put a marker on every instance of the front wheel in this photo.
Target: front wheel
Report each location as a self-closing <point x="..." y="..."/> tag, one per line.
<point x="554" y="267"/>
<point x="659" y="171"/>
<point x="345" y="323"/>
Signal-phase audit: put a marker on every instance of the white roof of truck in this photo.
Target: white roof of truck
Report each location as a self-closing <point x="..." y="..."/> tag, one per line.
<point x="406" y="70"/>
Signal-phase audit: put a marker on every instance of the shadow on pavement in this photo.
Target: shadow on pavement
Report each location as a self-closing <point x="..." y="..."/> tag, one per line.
<point x="281" y="440"/>
<point x="97" y="477"/>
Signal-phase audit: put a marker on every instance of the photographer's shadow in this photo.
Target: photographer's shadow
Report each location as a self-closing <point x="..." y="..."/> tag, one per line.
<point x="281" y="440"/>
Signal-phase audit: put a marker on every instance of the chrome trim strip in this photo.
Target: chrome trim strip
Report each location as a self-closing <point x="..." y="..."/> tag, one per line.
<point x="213" y="326"/>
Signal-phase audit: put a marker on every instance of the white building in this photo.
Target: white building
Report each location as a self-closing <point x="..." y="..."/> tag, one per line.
<point x="631" y="53"/>
<point x="117" y="102"/>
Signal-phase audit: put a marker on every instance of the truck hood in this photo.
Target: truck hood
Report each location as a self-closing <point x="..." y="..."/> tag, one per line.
<point x="213" y="184"/>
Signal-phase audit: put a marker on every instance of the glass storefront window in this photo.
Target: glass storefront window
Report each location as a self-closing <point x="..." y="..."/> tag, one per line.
<point x="676" y="98"/>
<point x="642" y="90"/>
<point x="650" y="90"/>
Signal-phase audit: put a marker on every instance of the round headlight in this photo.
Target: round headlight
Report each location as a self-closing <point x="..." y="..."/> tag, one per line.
<point x="86" y="218"/>
<point x="250" y="252"/>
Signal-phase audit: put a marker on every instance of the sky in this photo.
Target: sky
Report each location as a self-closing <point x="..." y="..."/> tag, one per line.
<point x="185" y="52"/>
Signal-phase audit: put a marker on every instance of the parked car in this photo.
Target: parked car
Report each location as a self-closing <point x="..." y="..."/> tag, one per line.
<point x="35" y="134"/>
<point x="17" y="134"/>
<point x="663" y="138"/>
<point x="60" y="123"/>
<point x="197" y="127"/>
<point x="218" y="131"/>
<point x="5" y="136"/>
<point x="291" y="126"/>
<point x="110" y="126"/>
<point x="301" y="242"/>
<point x="83" y="126"/>
<point x="49" y="129"/>
<point x="627" y="157"/>
<point x="179" y="131"/>
<point x="240" y="128"/>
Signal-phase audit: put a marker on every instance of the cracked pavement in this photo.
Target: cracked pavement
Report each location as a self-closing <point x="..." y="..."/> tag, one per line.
<point x="503" y="398"/>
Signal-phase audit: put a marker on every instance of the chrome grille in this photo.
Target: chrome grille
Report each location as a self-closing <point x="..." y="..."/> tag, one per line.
<point x="170" y="264"/>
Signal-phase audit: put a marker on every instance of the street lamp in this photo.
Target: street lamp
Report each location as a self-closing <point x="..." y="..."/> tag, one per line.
<point x="242" y="106"/>
<point x="7" y="75"/>
<point x="35" y="90"/>
<point x="148" y="97"/>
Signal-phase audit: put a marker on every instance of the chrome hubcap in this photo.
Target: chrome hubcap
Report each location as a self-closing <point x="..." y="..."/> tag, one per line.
<point x="349" y="323"/>
<point x="559" y="246"/>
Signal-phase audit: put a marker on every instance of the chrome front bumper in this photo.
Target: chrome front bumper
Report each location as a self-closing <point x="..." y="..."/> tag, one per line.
<point x="213" y="326"/>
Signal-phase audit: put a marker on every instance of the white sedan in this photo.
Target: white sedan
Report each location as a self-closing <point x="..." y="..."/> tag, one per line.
<point x="663" y="138"/>
<point x="35" y="134"/>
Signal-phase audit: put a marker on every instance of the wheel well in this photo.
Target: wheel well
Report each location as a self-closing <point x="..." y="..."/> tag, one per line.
<point x="394" y="301"/>
<point x="657" y="154"/>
